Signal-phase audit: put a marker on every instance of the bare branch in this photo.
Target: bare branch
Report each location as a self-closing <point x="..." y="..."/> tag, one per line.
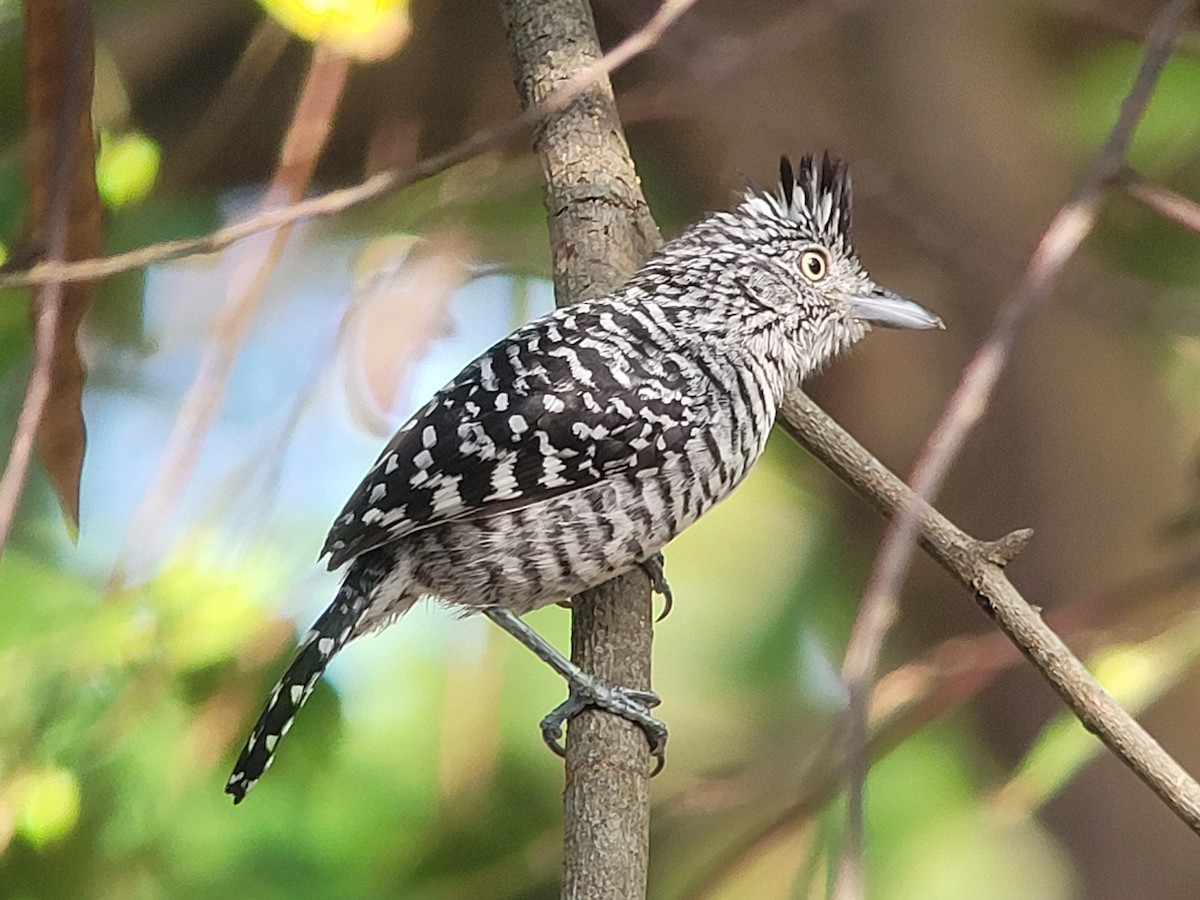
<point x="379" y="185"/>
<point x="918" y="692"/>
<point x="1164" y="201"/>
<point x="967" y="559"/>
<point x="1067" y="230"/>
<point x="239" y="92"/>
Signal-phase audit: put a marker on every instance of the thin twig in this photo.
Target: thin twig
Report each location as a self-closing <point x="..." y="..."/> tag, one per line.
<point x="311" y="125"/>
<point x="48" y="302"/>
<point x="1067" y="230"/>
<point x="378" y="185"/>
<point x="240" y="91"/>
<point x="1164" y="201"/>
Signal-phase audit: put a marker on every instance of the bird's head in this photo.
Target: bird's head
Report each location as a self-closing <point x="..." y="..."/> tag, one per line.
<point x="787" y="257"/>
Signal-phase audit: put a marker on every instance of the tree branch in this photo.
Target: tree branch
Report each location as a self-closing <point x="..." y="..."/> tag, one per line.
<point x="600" y="232"/>
<point x="1164" y="201"/>
<point x="878" y="610"/>
<point x="920" y="691"/>
<point x="379" y="185"/>
<point x="972" y="562"/>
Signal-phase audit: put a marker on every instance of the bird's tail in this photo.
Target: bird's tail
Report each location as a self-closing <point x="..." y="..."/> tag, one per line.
<point x="327" y="636"/>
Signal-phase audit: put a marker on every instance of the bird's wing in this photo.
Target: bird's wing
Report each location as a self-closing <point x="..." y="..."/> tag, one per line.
<point x="531" y="419"/>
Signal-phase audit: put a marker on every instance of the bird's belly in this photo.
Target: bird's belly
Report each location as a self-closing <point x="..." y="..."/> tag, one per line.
<point x="527" y="558"/>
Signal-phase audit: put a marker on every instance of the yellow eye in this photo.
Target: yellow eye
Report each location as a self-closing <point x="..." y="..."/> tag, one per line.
<point x="814" y="264"/>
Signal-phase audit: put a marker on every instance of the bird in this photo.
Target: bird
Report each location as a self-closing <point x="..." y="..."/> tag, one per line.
<point x="577" y="447"/>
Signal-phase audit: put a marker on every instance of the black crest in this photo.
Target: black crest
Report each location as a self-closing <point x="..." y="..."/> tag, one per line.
<point x="821" y="206"/>
<point x="787" y="179"/>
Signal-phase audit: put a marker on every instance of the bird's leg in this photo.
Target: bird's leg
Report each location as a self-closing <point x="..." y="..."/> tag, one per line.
<point x="653" y="567"/>
<point x="585" y="690"/>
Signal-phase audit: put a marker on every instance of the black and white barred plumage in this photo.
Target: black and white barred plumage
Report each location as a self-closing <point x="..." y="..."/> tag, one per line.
<point x="577" y="447"/>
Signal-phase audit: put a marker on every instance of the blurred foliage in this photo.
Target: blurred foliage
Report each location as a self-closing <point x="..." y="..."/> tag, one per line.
<point x="126" y="168"/>
<point x="1165" y="142"/>
<point x="368" y="29"/>
<point x="1170" y="128"/>
<point x="1133" y="675"/>
<point x="416" y="770"/>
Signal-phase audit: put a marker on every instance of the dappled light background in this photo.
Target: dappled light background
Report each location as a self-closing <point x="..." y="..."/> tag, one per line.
<point x="136" y="658"/>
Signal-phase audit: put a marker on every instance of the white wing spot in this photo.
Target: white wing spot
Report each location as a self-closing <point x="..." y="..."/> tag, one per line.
<point x="378" y="492"/>
<point x="447" y="496"/>
<point x="325" y="646"/>
<point x="392" y="464"/>
<point x="518" y="424"/>
<point x="504" y="483"/>
<point x="429" y="436"/>
<point x="487" y="375"/>
<point x="423" y="460"/>
<point x="395" y="515"/>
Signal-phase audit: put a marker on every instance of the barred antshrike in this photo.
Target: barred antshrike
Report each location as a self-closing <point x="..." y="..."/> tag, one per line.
<point x="577" y="447"/>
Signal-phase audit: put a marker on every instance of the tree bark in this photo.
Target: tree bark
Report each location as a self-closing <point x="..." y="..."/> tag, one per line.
<point x="600" y="232"/>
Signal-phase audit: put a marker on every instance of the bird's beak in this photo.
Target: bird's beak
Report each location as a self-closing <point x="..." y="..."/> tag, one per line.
<point x="880" y="306"/>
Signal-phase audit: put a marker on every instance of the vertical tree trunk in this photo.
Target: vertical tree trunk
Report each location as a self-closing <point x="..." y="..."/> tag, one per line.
<point x="600" y="232"/>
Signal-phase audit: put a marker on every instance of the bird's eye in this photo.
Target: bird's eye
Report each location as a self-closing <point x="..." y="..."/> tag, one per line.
<point x="814" y="264"/>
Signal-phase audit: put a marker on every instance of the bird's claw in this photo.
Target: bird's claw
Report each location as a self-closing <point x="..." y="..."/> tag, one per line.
<point x="653" y="567"/>
<point x="628" y="703"/>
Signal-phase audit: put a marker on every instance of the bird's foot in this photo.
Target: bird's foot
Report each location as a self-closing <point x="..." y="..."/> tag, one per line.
<point x="628" y="703"/>
<point x="653" y="567"/>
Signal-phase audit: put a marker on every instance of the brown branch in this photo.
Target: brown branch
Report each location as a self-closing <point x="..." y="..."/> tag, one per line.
<point x="969" y="560"/>
<point x="878" y="610"/>
<point x="311" y="124"/>
<point x="379" y="185"/>
<point x="919" y="692"/>
<point x="1167" y="203"/>
<point x="600" y="232"/>
<point x="58" y="67"/>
